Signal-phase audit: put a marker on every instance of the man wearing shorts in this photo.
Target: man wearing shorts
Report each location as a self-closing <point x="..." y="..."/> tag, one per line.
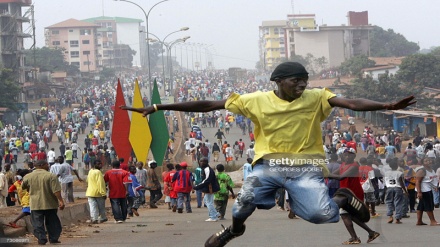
<point x="288" y="148"/>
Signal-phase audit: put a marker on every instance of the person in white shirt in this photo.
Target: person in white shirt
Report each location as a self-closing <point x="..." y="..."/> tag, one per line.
<point x="250" y="152"/>
<point x="394" y="181"/>
<point x="74" y="146"/>
<point x="51" y="156"/>
<point x="426" y="180"/>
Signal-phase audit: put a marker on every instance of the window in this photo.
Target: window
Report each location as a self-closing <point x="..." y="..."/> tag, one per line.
<point x="87" y="63"/>
<point x="70" y="30"/>
<point x="74" y="54"/>
<point x="86" y="42"/>
<point x="109" y="24"/>
<point x="55" y="31"/>
<point x="85" y="32"/>
<point x="86" y="52"/>
<point x="109" y="35"/>
<point x="74" y="43"/>
<point x="105" y="44"/>
<point x="75" y="64"/>
<point x="281" y="40"/>
<point x="56" y="43"/>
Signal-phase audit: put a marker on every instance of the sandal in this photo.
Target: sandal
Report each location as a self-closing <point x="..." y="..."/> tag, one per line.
<point x="373" y="236"/>
<point x="390" y="220"/>
<point x="352" y="241"/>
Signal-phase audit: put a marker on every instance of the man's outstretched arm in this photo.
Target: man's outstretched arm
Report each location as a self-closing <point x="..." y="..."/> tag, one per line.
<point x="370" y="105"/>
<point x="190" y="106"/>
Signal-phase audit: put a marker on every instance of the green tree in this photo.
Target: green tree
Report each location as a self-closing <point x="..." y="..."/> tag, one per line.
<point x="9" y="89"/>
<point x="390" y="44"/>
<point x="387" y="88"/>
<point x="421" y="69"/>
<point x="355" y="65"/>
<point x="47" y="59"/>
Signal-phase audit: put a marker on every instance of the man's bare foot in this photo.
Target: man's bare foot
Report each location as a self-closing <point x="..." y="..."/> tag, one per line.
<point x="435" y="223"/>
<point x="420" y="224"/>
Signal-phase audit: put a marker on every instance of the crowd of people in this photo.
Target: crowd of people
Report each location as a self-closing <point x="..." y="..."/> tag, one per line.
<point x="381" y="177"/>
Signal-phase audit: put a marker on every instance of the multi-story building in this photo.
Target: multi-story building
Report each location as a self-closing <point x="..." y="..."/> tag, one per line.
<point x="78" y="40"/>
<point x="12" y="35"/>
<point x="272" y="43"/>
<point x="300" y="35"/>
<point x="121" y="31"/>
<point x="335" y="43"/>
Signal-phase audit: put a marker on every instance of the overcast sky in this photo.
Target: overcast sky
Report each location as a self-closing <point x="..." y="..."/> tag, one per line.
<point x="231" y="26"/>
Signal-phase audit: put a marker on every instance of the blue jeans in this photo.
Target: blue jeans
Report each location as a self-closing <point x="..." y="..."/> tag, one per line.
<point x="394" y="201"/>
<point x="97" y="208"/>
<point x="436" y="196"/>
<point x="308" y="194"/>
<point x="209" y="202"/>
<point x="119" y="208"/>
<point x="184" y="197"/>
<point x="199" y="198"/>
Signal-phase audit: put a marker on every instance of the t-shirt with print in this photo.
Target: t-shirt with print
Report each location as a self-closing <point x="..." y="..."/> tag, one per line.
<point x="116" y="178"/>
<point x="392" y="178"/>
<point x="274" y="121"/>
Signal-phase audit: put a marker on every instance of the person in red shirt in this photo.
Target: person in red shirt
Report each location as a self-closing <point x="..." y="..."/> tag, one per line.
<point x="241" y="147"/>
<point x="349" y="179"/>
<point x="352" y="144"/>
<point x="170" y="184"/>
<point x="123" y="166"/>
<point x="41" y="155"/>
<point x="251" y="136"/>
<point x="167" y="184"/>
<point x="32" y="148"/>
<point x="192" y="134"/>
<point x="95" y="143"/>
<point x="117" y="179"/>
<point x="183" y="185"/>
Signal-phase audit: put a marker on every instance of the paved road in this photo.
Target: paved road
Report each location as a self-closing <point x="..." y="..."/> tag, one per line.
<point x="162" y="228"/>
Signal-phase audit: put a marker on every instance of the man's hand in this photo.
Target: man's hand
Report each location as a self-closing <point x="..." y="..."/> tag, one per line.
<point x="401" y="104"/>
<point x="144" y="111"/>
<point x="79" y="179"/>
<point x="233" y="196"/>
<point x="61" y="205"/>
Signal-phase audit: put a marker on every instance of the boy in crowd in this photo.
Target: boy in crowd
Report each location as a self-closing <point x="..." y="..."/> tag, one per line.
<point x="221" y="197"/>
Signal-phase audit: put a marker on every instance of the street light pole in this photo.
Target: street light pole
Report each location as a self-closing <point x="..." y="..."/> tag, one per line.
<point x="169" y="46"/>
<point x="148" y="44"/>
<point x="162" y="42"/>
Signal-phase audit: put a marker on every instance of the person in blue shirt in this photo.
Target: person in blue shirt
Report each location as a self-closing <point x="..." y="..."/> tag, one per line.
<point x="135" y="193"/>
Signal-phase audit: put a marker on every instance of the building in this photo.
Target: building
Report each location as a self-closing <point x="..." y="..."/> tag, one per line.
<point x="12" y="35"/>
<point x="121" y="31"/>
<point x="78" y="40"/>
<point x="302" y="36"/>
<point x="272" y="42"/>
<point x="274" y="46"/>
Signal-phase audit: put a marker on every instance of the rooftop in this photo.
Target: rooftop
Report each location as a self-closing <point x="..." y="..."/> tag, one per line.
<point x="115" y="19"/>
<point x="72" y="23"/>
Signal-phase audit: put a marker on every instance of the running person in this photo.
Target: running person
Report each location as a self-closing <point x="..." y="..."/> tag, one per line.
<point x="220" y="136"/>
<point x="279" y="135"/>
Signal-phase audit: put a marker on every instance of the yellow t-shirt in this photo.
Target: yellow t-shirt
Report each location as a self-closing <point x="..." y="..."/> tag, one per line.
<point x="285" y="128"/>
<point x="95" y="184"/>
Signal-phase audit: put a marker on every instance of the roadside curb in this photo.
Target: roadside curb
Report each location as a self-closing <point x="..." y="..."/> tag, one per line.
<point x="70" y="215"/>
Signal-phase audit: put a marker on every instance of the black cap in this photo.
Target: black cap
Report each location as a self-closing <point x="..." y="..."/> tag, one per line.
<point x="288" y="69"/>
